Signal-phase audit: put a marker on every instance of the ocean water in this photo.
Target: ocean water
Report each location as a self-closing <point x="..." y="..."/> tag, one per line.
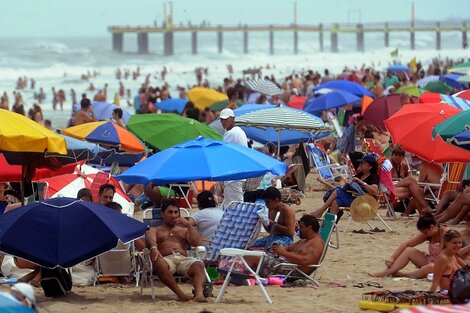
<point x="60" y="62"/>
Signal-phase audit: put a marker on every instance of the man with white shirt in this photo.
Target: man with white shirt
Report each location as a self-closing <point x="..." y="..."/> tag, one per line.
<point x="233" y="190"/>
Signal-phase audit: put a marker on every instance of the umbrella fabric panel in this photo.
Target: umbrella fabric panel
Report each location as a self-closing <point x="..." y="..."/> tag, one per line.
<point x="263" y="86"/>
<point x="461" y="140"/>
<point x="205" y="97"/>
<point x="346" y="85"/>
<point x="172" y="105"/>
<point x="20" y="134"/>
<point x="452" y="125"/>
<point x="464" y="94"/>
<point x="51" y="233"/>
<point x="271" y="135"/>
<point x="456" y="102"/>
<point x="202" y="159"/>
<point x="250" y="107"/>
<point x="104" y="111"/>
<point x="398" y="68"/>
<point x="330" y="100"/>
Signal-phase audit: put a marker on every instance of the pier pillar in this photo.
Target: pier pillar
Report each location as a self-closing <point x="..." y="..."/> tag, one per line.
<point x="438" y="36"/>
<point x="271" y="40"/>
<point x="320" y="36"/>
<point x="143" y="43"/>
<point x="386" y="35"/>
<point x="464" y="35"/>
<point x="360" y="38"/>
<point x="118" y="42"/>
<point x="412" y="37"/>
<point x="296" y="42"/>
<point x="168" y="43"/>
<point x="245" y="40"/>
<point x="194" y="42"/>
<point x="220" y="40"/>
<point x="334" y="37"/>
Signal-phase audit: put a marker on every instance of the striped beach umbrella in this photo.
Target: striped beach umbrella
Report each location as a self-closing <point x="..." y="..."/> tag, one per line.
<point x="464" y="79"/>
<point x="457" y="308"/>
<point x="264" y="86"/>
<point x="464" y="94"/>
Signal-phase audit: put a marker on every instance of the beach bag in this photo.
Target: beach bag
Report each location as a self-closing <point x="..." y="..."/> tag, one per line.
<point x="55" y="282"/>
<point x="459" y="292"/>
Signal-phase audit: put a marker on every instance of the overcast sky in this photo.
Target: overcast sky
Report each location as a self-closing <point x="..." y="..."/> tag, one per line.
<point x="43" y="18"/>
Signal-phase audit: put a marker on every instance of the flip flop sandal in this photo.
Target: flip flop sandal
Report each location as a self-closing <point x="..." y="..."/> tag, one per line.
<point x="378" y="230"/>
<point x="373" y="284"/>
<point x="362" y="231"/>
<point x="359" y="285"/>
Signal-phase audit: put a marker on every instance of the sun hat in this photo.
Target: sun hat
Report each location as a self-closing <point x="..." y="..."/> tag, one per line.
<point x="26" y="290"/>
<point x="226" y="113"/>
<point x="363" y="208"/>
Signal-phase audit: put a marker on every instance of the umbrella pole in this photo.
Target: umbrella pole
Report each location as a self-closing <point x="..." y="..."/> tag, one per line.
<point x="203" y="185"/>
<point x="279" y="144"/>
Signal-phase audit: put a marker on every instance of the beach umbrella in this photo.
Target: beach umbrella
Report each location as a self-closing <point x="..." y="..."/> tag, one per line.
<point x="202" y="159"/>
<point x="286" y="137"/>
<point x="106" y="133"/>
<point x="427" y="79"/>
<point x="333" y="99"/>
<point x="64" y="231"/>
<point x="456" y="102"/>
<point x="461" y="140"/>
<point x="205" y="97"/>
<point x="382" y="108"/>
<point x="366" y="101"/>
<point x="24" y="142"/>
<point x="220" y="105"/>
<point x="172" y="105"/>
<point x="104" y="110"/>
<point x="437" y="86"/>
<point x="462" y="68"/>
<point x="464" y="94"/>
<point x="398" y="68"/>
<point x="411" y="90"/>
<point x="437" y="308"/>
<point x="465" y="79"/>
<point x="412" y="128"/>
<point x="452" y="80"/>
<point x="297" y="102"/>
<point x="264" y="86"/>
<point x="67" y="185"/>
<point x="162" y="131"/>
<point x="10" y="305"/>
<point x="452" y="125"/>
<point x="346" y="85"/>
<point x="78" y="150"/>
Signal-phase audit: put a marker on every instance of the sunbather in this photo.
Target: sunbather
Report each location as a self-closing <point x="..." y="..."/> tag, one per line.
<point x="305" y="252"/>
<point x="168" y="245"/>
<point x="448" y="261"/>
<point x="429" y="230"/>
<point x="458" y="209"/>
<point x="284" y="229"/>
<point x="449" y="196"/>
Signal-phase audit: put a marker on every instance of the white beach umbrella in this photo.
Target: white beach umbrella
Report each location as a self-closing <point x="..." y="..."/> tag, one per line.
<point x="264" y="86"/>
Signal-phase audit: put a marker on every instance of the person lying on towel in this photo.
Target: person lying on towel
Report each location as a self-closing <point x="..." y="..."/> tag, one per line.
<point x="307" y="251"/>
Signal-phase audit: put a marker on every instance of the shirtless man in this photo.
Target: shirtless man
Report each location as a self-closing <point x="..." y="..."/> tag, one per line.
<point x="85" y="114"/>
<point x="168" y="244"/>
<point x="305" y="252"/>
<point x="283" y="232"/>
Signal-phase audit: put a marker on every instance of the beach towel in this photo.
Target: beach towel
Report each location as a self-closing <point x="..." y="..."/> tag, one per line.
<point x="347" y="142"/>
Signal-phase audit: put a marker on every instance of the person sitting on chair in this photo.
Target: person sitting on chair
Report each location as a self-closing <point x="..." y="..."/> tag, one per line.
<point x="367" y="179"/>
<point x="208" y="217"/>
<point x="307" y="251"/>
<point x="283" y="231"/>
<point x="168" y="244"/>
<point x="400" y="168"/>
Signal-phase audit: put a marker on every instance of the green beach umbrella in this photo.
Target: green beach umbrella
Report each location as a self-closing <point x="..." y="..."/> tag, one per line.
<point x="462" y="68"/>
<point x="220" y="105"/>
<point x="452" y="126"/>
<point x="437" y="86"/>
<point x="162" y="131"/>
<point x="411" y="90"/>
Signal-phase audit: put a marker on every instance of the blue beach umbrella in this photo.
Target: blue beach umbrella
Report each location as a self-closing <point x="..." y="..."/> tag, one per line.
<point x="346" y="85"/>
<point x="272" y="135"/>
<point x="333" y="99"/>
<point x="104" y="110"/>
<point x="398" y="68"/>
<point x="8" y="305"/>
<point x="64" y="231"/>
<point x="461" y="140"/>
<point x="202" y="159"/>
<point x="452" y="80"/>
<point x="172" y="105"/>
<point x="250" y="107"/>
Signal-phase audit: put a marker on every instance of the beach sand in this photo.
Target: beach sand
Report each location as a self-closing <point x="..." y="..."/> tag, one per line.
<point x="357" y="255"/>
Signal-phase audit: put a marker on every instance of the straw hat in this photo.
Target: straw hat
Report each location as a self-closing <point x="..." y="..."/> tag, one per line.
<point x="363" y="208"/>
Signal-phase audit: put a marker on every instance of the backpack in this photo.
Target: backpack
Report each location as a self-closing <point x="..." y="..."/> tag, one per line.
<point x="459" y="292"/>
<point x="55" y="282"/>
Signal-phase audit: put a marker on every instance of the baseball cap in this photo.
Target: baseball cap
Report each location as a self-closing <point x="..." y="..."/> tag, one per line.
<point x="369" y="158"/>
<point x="226" y="113"/>
<point x="26" y="290"/>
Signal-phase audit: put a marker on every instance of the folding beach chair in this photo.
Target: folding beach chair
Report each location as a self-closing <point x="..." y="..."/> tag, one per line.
<point x="187" y="195"/>
<point x="326" y="231"/>
<point x="118" y="262"/>
<point x="153" y="216"/>
<point x="321" y="162"/>
<point x="450" y="180"/>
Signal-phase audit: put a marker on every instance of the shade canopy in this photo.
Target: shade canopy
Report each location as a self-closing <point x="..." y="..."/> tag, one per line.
<point x="202" y="159"/>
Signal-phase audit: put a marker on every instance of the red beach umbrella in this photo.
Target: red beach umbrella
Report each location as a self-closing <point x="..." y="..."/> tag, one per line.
<point x="297" y="102"/>
<point x="382" y="108"/>
<point x="412" y="127"/>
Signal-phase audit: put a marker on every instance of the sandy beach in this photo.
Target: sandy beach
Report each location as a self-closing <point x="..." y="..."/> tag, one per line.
<point x="348" y="265"/>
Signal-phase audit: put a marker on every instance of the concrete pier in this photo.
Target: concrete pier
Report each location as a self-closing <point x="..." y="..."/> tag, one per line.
<point x="220" y="40"/>
<point x="386" y="35"/>
<point x="168" y="43"/>
<point x="464" y="35"/>
<point x="118" y="42"/>
<point x="412" y="37"/>
<point x="143" y="43"/>
<point x="438" y="36"/>
<point x="245" y="41"/>
<point x="296" y="42"/>
<point x="320" y="37"/>
<point x="334" y="37"/>
<point x="194" y="42"/>
<point x="360" y="38"/>
<point x="271" y="41"/>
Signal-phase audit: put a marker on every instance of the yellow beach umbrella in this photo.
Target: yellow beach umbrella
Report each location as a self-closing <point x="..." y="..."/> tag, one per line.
<point x="205" y="97"/>
<point x="20" y="134"/>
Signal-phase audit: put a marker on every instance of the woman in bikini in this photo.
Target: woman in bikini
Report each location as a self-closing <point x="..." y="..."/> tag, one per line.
<point x="429" y="231"/>
<point x="448" y="261"/>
